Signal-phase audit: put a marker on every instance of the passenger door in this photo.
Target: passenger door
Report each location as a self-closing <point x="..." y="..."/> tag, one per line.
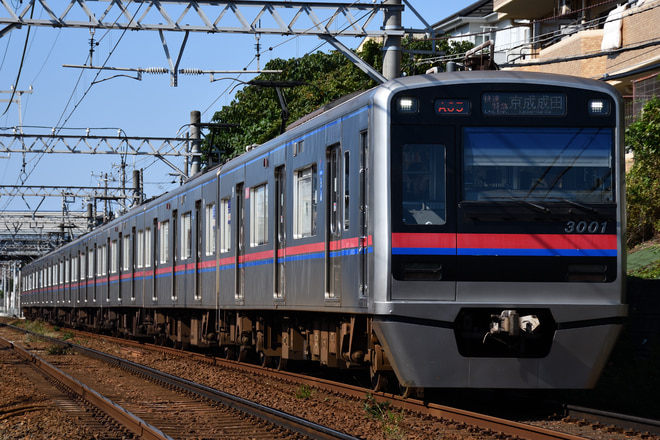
<point x="333" y="233"/>
<point x="280" y="234"/>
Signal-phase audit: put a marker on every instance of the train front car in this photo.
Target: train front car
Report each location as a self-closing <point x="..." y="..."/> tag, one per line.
<point x="505" y="262"/>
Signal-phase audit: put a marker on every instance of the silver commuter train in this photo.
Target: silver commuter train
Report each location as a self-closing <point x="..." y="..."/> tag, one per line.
<point x="453" y="230"/>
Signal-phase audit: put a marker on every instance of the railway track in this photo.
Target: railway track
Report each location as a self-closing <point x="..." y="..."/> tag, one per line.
<point x="578" y="416"/>
<point x="155" y="405"/>
<point x="56" y="399"/>
<point x="478" y="425"/>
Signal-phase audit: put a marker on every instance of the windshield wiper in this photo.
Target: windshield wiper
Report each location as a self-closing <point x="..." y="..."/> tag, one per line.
<point x="534" y="206"/>
<point x="580" y="205"/>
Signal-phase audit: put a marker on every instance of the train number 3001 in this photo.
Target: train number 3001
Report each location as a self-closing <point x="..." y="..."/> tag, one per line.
<point x="585" y="227"/>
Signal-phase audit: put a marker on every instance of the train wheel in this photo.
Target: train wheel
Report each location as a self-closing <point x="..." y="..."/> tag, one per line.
<point x="406" y="392"/>
<point x="241" y="355"/>
<point x="229" y="353"/>
<point x="378" y="380"/>
<point x="265" y="361"/>
<point x="280" y="363"/>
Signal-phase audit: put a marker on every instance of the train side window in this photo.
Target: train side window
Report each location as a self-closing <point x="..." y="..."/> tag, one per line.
<point x="225" y="225"/>
<point x="114" y="256"/>
<point x="210" y="229"/>
<point x="148" y="250"/>
<point x="126" y="249"/>
<point x="140" y="249"/>
<point x="186" y="235"/>
<point x="164" y="240"/>
<point x="104" y="256"/>
<point x="99" y="260"/>
<point x="305" y="196"/>
<point x="74" y="268"/>
<point x="259" y="215"/>
<point x="90" y="263"/>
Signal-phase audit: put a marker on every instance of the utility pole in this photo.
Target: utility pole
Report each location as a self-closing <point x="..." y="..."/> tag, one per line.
<point x="392" y="40"/>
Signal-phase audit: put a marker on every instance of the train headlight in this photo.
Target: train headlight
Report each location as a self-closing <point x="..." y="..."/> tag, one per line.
<point x="407" y="104"/>
<point x="599" y="107"/>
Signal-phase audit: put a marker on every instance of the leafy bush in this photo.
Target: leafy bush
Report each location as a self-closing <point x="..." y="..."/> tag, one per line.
<point x="304" y="392"/>
<point x="643" y="180"/>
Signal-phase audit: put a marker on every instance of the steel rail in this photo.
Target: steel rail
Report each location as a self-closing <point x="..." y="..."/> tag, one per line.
<point x="276" y="417"/>
<point x="457" y="415"/>
<point x="640" y="424"/>
<point x="107" y="406"/>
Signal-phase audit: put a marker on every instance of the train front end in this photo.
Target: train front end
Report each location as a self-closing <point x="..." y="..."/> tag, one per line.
<point x="499" y="258"/>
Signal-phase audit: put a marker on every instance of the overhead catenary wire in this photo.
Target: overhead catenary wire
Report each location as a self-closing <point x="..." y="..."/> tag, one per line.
<point x="20" y="67"/>
<point x="272" y="48"/>
<point x="24" y="175"/>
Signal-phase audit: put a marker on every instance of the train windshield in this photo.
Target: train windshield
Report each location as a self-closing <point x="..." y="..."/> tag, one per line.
<point x="538" y="163"/>
<point x="423" y="184"/>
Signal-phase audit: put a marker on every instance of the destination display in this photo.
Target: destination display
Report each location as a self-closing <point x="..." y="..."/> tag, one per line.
<point x="452" y="107"/>
<point x="523" y="104"/>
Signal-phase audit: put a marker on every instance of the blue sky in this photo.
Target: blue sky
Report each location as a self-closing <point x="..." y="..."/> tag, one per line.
<point x="64" y="97"/>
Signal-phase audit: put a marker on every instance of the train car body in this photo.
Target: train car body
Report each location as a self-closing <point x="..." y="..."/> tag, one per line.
<point x="452" y="230"/>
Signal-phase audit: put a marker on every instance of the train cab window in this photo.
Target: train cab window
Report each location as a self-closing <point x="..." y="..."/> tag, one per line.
<point x="305" y="195"/>
<point x="164" y="241"/>
<point x="186" y="235"/>
<point x="225" y="225"/>
<point x="210" y="229"/>
<point x="538" y="164"/>
<point x="423" y="184"/>
<point x="259" y="215"/>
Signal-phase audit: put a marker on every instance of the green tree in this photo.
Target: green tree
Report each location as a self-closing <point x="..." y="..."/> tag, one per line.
<point x="643" y="180"/>
<point x="256" y="111"/>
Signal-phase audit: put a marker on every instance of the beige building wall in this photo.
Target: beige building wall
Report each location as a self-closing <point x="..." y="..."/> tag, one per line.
<point x="640" y="26"/>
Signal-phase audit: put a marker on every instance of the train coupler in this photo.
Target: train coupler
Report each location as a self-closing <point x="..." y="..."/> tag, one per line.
<point x="509" y="322"/>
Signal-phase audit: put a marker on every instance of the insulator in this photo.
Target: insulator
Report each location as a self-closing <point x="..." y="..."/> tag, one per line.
<point x="156" y="70"/>
<point x="191" y="71"/>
